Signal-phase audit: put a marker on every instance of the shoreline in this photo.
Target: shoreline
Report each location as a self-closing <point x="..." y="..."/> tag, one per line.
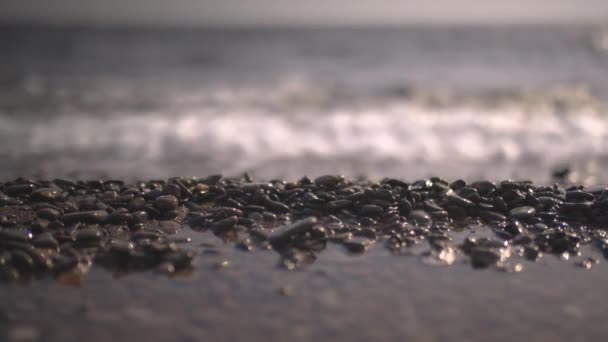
<point x="64" y="227"/>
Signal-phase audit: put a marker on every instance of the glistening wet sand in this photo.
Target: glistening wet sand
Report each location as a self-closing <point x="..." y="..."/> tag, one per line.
<point x="377" y="296"/>
<point x="421" y="275"/>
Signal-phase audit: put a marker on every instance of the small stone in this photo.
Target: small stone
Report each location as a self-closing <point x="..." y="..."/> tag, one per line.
<point x="20" y="235"/>
<point x="45" y="240"/>
<point x="19" y="189"/>
<point x="95" y="216"/>
<point x="339" y="204"/>
<point x="579" y="196"/>
<point x="371" y="210"/>
<point x="484" y="257"/>
<point x="48" y="214"/>
<point x="169" y="227"/>
<point x="587" y="263"/>
<point x="522" y="213"/>
<point x="22" y="261"/>
<point x="121" y="249"/>
<point x="282" y="235"/>
<point x="166" y="203"/>
<point x="420" y="217"/>
<point x="45" y="194"/>
<point x="531" y="253"/>
<point x="89" y="235"/>
<point x="329" y="180"/>
<point x="356" y="247"/>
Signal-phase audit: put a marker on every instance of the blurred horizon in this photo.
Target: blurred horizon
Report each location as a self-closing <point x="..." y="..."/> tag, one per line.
<point x="270" y="13"/>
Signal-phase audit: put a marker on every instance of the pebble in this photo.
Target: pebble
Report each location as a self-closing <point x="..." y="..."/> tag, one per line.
<point x="282" y="235"/>
<point x="95" y="216"/>
<point x="484" y="257"/>
<point x="420" y="217"/>
<point x="45" y="240"/>
<point x="329" y="180"/>
<point x="371" y="210"/>
<point x="521" y="213"/>
<point x="166" y="203"/>
<point x="45" y="194"/>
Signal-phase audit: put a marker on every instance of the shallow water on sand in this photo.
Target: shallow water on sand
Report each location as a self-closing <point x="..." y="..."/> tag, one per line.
<point x="376" y="296"/>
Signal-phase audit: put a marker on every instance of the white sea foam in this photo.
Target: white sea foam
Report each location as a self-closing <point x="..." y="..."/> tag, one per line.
<point x="404" y="137"/>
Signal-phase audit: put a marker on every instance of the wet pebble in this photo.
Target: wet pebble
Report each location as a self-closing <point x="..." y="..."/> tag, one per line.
<point x="45" y="194"/>
<point x="166" y="203"/>
<point x="484" y="257"/>
<point x="521" y="213"/>
<point x="371" y="210"/>
<point x="95" y="216"/>
<point x="420" y="217"/>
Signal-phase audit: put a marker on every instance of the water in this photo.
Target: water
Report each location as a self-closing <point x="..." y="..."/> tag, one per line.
<point x="466" y="102"/>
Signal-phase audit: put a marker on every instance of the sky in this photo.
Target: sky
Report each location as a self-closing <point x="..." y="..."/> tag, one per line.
<point x="300" y="12"/>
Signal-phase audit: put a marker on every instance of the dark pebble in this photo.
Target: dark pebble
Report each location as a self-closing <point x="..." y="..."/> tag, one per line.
<point x="166" y="203"/>
<point x="19" y="189"/>
<point x="45" y="240"/>
<point x="579" y="196"/>
<point x="484" y="257"/>
<point x="329" y="180"/>
<point x="521" y="213"/>
<point x="96" y="216"/>
<point x="420" y="217"/>
<point x="19" y="235"/>
<point x="89" y="235"/>
<point x="45" y="194"/>
<point x="371" y="210"/>
<point x="283" y="234"/>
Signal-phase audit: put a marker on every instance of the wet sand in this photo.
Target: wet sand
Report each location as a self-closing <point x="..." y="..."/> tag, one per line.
<point x="376" y="296"/>
<point x="426" y="289"/>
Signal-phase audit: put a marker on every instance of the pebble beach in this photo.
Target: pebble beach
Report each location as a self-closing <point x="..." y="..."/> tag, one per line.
<point x="415" y="183"/>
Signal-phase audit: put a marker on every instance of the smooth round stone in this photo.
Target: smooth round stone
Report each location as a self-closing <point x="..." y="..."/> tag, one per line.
<point x="577" y="196"/>
<point x="121" y="247"/>
<point x="169" y="227"/>
<point x="459" y="201"/>
<point x="484" y="257"/>
<point x="420" y="217"/>
<point x="89" y="234"/>
<point x="45" y="240"/>
<point x="45" y="194"/>
<point x="514" y="228"/>
<point x="405" y="207"/>
<point x="173" y="190"/>
<point x="371" y="210"/>
<point x="484" y="187"/>
<point x="19" y="189"/>
<point x="329" y="180"/>
<point x="120" y="216"/>
<point x="94" y="216"/>
<point x="521" y="213"/>
<point x="136" y="204"/>
<point x="20" y="235"/>
<point x="339" y="204"/>
<point x="166" y="203"/>
<point x="22" y="261"/>
<point x="48" y="214"/>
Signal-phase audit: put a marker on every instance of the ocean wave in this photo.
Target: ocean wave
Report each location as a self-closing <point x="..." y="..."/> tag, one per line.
<point x="405" y="137"/>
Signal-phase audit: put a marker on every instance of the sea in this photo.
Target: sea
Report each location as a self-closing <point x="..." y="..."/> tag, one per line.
<point x="465" y="102"/>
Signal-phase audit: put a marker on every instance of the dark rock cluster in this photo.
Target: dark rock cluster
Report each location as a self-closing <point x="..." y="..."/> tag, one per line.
<point x="63" y="227"/>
